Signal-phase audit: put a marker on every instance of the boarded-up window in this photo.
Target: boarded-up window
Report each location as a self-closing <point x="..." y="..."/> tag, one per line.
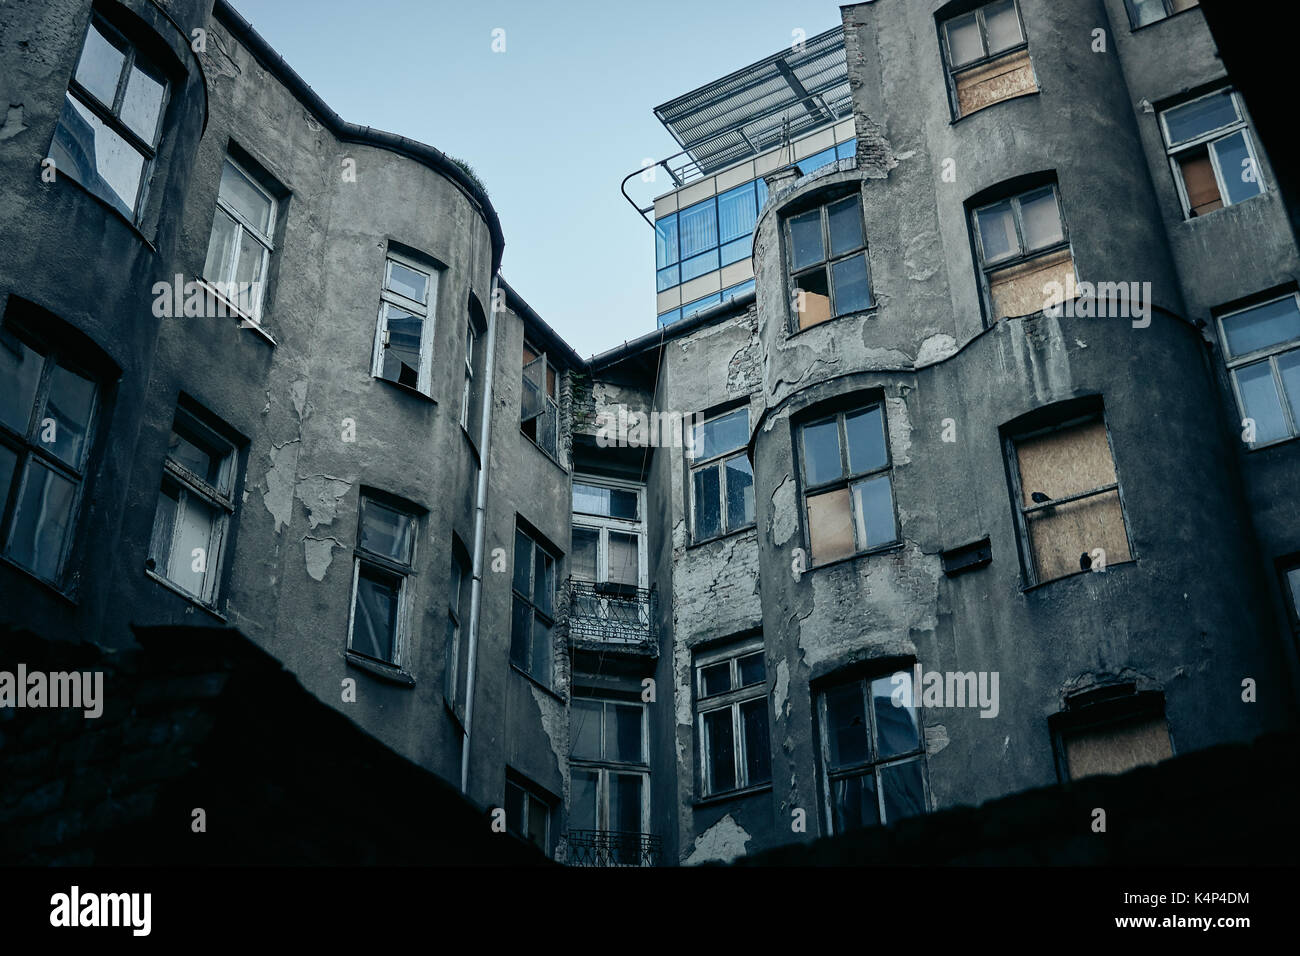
<point x="1069" y="499"/>
<point x="987" y="58"/>
<point x="1117" y="747"/>
<point x="1024" y="253"/>
<point x="1002" y="79"/>
<point x="1198" y="177"/>
<point x="1211" y="152"/>
<point x="1027" y="288"/>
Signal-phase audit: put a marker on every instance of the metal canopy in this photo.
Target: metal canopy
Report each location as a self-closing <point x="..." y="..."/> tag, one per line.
<point x="744" y="113"/>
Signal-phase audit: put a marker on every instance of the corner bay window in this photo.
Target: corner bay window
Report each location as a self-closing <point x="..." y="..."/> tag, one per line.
<point x="107" y="135"/>
<point x="1023" y="247"/>
<point x="847" y="484"/>
<point x="404" y="341"/>
<point x="1211" y="152"/>
<point x="872" y="752"/>
<point x="384" y="556"/>
<point x="987" y="57"/>
<point x="829" y="273"/>
<point x="732" y="718"/>
<point x="1261" y="345"/>
<point x="533" y="609"/>
<point x="722" y="479"/>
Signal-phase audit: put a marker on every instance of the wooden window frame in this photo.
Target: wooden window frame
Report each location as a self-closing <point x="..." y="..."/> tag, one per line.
<point x="1206" y="140"/>
<point x="825" y="265"/>
<point x="547" y="680"/>
<point x="951" y="73"/>
<point x="383" y="564"/>
<point x="605" y="767"/>
<point x="730" y="700"/>
<point x="1270" y="354"/>
<point x="719" y="461"/>
<point x="1025" y="256"/>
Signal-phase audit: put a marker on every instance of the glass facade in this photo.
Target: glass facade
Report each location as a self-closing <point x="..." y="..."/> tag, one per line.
<point x="708" y="235"/>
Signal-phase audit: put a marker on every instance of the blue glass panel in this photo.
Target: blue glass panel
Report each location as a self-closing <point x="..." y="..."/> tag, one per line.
<point x="699" y="227"/>
<point x="736" y="213"/>
<point x="700" y="304"/>
<point x="735" y="290"/>
<point x="699" y="265"/>
<point x="817" y="161"/>
<point x="667" y="278"/>
<point x="668" y="318"/>
<point x="737" y="250"/>
<point x="847" y="149"/>
<point x="760" y="188"/>
<point x="665" y="241"/>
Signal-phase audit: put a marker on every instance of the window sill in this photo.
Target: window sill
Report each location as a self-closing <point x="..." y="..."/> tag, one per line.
<point x="246" y="321"/>
<point x="1010" y="99"/>
<point x="414" y="392"/>
<point x="536" y="683"/>
<point x="65" y="596"/>
<point x="1026" y="588"/>
<point x="197" y="602"/>
<point x="714" y="799"/>
<point x="1263" y="191"/>
<point x="883" y="549"/>
<point x="722" y="537"/>
<point x="386" y="672"/>
<point x="871" y="312"/>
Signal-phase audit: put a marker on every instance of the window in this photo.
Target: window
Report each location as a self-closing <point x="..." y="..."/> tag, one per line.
<point x="1110" y="730"/>
<point x="987" y="57"/>
<point x="1067" y="498"/>
<point x="458" y="598"/>
<point x="404" y="345"/>
<point x="1291" y="590"/>
<point x="731" y="718"/>
<point x="107" y="134"/>
<point x="872" y="751"/>
<point x="609" y="770"/>
<point x="1142" y="12"/>
<point x="1211" y="152"/>
<point x="384" y="555"/>
<point x="528" y="813"/>
<point x="608" y="563"/>
<point x="1261" y="346"/>
<point x="828" y="262"/>
<point x="708" y="235"/>
<point x="533" y="612"/>
<point x="466" y="396"/>
<point x="240" y="246"/>
<point x="722" y="479"/>
<point x="1023" y="247"/>
<point x="48" y="408"/>
<point x="539" y="410"/>
<point x="195" y="505"/>
<point x="847" y="485"/>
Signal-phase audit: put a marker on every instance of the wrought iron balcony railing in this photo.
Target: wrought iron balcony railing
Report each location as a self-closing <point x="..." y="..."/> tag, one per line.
<point x="607" y="613"/>
<point x="613" y="848"/>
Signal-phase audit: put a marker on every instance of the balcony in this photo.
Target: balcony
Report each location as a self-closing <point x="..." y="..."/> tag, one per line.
<point x="613" y="848"/>
<point x="607" y="615"/>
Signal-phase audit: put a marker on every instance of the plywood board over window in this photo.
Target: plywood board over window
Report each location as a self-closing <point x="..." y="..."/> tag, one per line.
<point x="1022" y="289"/>
<point x="1002" y="79"/>
<point x="1073" y="468"/>
<point x="1117" y="748"/>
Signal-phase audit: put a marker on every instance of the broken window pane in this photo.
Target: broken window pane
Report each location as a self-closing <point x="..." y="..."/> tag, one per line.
<point x="821" y="449"/>
<point x="97" y="157"/>
<point x="1041" y="219"/>
<point x="758" y="756"/>
<point x="830" y="526"/>
<point x="845" y="220"/>
<point x="1260" y="401"/>
<point x="740" y="493"/>
<point x="854" y="802"/>
<point x="852" y="287"/>
<point x="1021" y="289"/>
<point x="904" y="790"/>
<point x="1059" y="535"/>
<point x="846" y="725"/>
<point x="1065" y="461"/>
<point x="813" y="298"/>
<point x="402" y="350"/>
<point x="586" y="729"/>
<point x="897" y="727"/>
<point x="623" y="733"/>
<point x="997" y="228"/>
<point x="20" y="374"/>
<point x="806" y="239"/>
<point x="1260" y="327"/>
<point x="873" y="512"/>
<point x="866" y="436"/>
<point x="708" y="492"/>
<point x="375" y="619"/>
<point x="1199" y="181"/>
<point x="715" y="678"/>
<point x="720" y="750"/>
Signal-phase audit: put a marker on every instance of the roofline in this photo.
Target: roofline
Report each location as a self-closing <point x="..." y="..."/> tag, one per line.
<point x="665" y="334"/>
<point x="347" y="132"/>
<point x="516" y="303"/>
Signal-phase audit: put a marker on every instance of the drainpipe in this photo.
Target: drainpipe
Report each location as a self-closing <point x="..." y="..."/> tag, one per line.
<point x="480" y="534"/>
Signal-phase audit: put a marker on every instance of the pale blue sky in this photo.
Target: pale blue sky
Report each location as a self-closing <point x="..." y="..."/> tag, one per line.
<point x="551" y="125"/>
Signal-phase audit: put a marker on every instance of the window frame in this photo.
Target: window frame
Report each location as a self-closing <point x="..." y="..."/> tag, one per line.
<point x="425" y="311"/>
<point x="986" y="269"/>
<point x="471" y="335"/>
<point x="719" y="461"/>
<point x="1271" y="354"/>
<point x="27" y="446"/>
<point x="265" y="240"/>
<point x="951" y="72"/>
<point x="1206" y="140"/>
<point x="1286" y="566"/>
<point x="731" y="700"/>
<point x="386" y="566"/>
<point x="457" y="620"/>
<point x="219" y="498"/>
<point x="604" y="524"/>
<point x="547" y="681"/>
<point x="1111" y="706"/>
<point x="1029" y="566"/>
<point x="826" y="265"/>
<point x="873" y="764"/>
<point x="109" y="114"/>
<point x="549" y="403"/>
<point x="1169" y="12"/>
<point x="605" y="767"/>
<point x="531" y="794"/>
<point x="846" y="479"/>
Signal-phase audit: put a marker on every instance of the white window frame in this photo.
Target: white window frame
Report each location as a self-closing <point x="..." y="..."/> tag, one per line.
<point x="1270" y="354"/>
<point x="404" y="572"/>
<point x="547" y="366"/>
<point x="604" y="524"/>
<point x="245" y="227"/>
<point x="605" y="767"/>
<point x="732" y="700"/>
<point x="719" y="460"/>
<point x="425" y="311"/>
<point x="1207" y="139"/>
<point x="471" y="335"/>
<point x="218" y="498"/>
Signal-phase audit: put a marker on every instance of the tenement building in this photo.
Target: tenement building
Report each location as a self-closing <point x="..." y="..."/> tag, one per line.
<point x="961" y="459"/>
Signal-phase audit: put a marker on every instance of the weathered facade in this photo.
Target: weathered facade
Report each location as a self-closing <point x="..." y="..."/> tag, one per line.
<point x="647" y="636"/>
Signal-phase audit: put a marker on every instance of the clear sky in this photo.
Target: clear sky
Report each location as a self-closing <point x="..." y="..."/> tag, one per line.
<point x="551" y="125"/>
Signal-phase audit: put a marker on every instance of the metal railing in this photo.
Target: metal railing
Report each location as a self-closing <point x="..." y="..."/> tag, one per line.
<point x="613" y="848"/>
<point x="608" y="613"/>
